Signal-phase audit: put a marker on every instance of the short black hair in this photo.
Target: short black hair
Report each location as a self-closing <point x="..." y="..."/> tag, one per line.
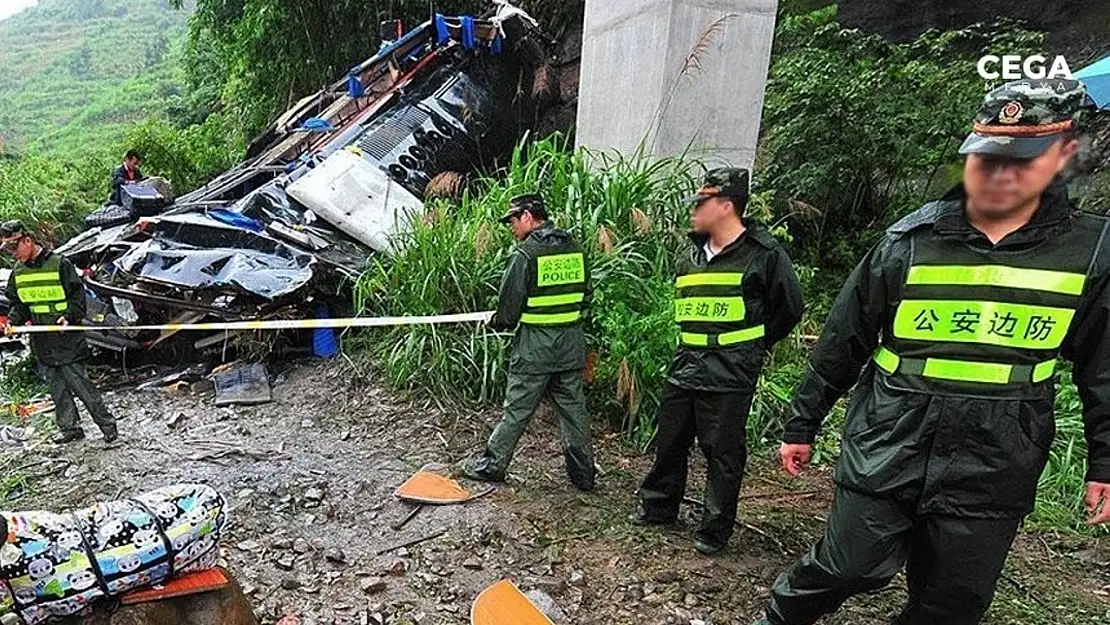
<point x="133" y="154"/>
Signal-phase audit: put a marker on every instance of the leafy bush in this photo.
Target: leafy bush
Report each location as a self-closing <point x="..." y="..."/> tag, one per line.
<point x="191" y="156"/>
<point x="885" y="119"/>
<point x="52" y="194"/>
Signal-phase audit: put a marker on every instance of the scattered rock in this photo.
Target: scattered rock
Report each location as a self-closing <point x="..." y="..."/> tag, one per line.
<point x="284" y="562"/>
<point x="336" y="555"/>
<point x="1092" y="556"/>
<point x="547" y="605"/>
<point x="474" y="564"/>
<point x="372" y="585"/>
<point x="577" y="578"/>
<point x="290" y="583"/>
<point x="301" y="546"/>
<point x="175" y="420"/>
<point x="551" y="585"/>
<point x="249" y="545"/>
<point x="690" y="600"/>
<point x="668" y="576"/>
<point x="398" y="568"/>
<point x="314" y="494"/>
<point x="284" y="544"/>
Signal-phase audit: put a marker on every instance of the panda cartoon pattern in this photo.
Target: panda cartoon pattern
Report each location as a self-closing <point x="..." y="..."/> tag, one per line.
<point x="46" y="571"/>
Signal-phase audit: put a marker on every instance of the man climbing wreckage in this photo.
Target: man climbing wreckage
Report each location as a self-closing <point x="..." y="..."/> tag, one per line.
<point x="957" y="317"/>
<point x="738" y="295"/>
<point x="44" y="289"/>
<point x="543" y="297"/>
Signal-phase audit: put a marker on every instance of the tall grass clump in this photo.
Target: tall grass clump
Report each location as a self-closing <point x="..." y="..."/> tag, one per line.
<point x="1063" y="483"/>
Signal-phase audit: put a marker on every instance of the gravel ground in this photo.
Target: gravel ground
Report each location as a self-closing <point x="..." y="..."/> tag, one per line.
<point x="310" y="478"/>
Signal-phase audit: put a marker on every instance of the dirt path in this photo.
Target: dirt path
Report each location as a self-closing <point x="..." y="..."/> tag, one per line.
<point x="310" y="478"/>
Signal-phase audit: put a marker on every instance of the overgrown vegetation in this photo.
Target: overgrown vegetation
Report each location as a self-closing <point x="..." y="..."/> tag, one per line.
<point x="887" y="120"/>
<point x="77" y="73"/>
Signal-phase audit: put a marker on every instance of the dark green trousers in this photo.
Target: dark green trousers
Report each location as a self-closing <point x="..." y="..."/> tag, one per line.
<point x="718" y="422"/>
<point x="952" y="564"/>
<point x="522" y="396"/>
<point x="66" y="381"/>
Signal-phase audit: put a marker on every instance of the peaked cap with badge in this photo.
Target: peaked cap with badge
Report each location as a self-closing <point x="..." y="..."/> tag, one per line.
<point x="1024" y="118"/>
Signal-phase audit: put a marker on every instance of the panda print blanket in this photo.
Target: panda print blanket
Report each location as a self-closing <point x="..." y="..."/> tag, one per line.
<point x="57" y="565"/>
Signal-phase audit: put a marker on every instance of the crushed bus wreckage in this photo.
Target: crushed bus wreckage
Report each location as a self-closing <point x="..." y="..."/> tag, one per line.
<point x="332" y="182"/>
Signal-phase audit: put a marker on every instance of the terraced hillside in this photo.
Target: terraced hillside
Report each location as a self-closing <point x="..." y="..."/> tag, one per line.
<point x="74" y="73"/>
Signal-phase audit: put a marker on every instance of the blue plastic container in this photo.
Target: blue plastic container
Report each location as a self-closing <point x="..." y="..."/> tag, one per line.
<point x="325" y="344"/>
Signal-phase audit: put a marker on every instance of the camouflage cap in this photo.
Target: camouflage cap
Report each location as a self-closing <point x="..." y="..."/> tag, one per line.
<point x="531" y="202"/>
<point x="1024" y="118"/>
<point x="11" y="228"/>
<point x="728" y="181"/>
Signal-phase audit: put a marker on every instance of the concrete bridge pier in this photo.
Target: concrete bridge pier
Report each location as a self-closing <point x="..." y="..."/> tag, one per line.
<point x="675" y="76"/>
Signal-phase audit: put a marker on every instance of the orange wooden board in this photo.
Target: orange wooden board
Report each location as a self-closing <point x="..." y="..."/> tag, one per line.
<point x="504" y="604"/>
<point x="430" y="488"/>
<point x="191" y="584"/>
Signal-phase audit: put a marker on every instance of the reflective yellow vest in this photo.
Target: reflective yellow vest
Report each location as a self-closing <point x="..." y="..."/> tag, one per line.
<point x="709" y="307"/>
<point x="980" y="322"/>
<point x="557" y="294"/>
<point x="40" y="288"/>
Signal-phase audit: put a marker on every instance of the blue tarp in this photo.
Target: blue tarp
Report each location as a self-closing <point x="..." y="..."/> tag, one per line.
<point x="1097" y="79"/>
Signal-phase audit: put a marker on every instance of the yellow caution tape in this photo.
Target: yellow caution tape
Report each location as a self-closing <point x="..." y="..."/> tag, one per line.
<point x="273" y="324"/>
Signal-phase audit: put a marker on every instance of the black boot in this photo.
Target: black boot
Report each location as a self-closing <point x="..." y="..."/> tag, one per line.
<point x="641" y="518"/>
<point x="69" y="437"/>
<point x="111" y="435"/>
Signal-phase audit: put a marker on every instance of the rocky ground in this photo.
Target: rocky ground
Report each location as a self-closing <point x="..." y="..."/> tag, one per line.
<point x="310" y="480"/>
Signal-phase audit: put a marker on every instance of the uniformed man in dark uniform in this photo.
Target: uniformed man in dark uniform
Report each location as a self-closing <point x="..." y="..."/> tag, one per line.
<point x="738" y="295"/>
<point x="957" y="317"/>
<point x="543" y="297"/>
<point x="44" y="289"/>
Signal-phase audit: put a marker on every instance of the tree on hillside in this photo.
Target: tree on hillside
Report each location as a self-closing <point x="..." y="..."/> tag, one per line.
<point x="80" y="63"/>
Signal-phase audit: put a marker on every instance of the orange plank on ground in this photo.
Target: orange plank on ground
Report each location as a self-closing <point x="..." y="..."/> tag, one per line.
<point x="191" y="584"/>
<point x="430" y="488"/>
<point x="504" y="604"/>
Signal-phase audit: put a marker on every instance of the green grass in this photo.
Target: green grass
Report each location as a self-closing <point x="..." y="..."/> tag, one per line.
<point x="76" y="73"/>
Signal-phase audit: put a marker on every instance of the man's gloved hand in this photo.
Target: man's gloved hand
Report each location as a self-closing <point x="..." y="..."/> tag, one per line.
<point x="62" y="321"/>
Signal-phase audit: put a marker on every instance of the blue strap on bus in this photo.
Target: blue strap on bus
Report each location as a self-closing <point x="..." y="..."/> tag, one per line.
<point x="355" y="89"/>
<point x="469" y="38"/>
<point x="442" y="34"/>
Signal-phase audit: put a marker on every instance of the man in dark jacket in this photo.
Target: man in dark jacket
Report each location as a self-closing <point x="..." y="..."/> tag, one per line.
<point x="738" y="295"/>
<point x="44" y="289"/>
<point x="543" y="297"/>
<point x="127" y="173"/>
<point x="957" y="317"/>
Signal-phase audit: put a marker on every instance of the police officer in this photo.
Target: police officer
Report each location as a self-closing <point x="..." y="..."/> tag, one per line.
<point x="957" y="317"/>
<point x="738" y="295"/>
<point x="44" y="289"/>
<point x="542" y="297"/>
